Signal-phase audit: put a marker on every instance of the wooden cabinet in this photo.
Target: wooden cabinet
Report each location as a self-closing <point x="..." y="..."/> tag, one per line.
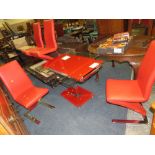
<point x="59" y="29"/>
<point x="109" y="26"/>
<point x="147" y="23"/>
<point x="153" y="28"/>
<point x="10" y="122"/>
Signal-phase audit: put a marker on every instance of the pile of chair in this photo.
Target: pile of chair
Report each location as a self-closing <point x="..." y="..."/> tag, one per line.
<point x="40" y="51"/>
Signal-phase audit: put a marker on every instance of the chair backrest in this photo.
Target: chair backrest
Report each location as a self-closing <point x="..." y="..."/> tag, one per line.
<point x="14" y="78"/>
<point x="9" y="27"/>
<point x="146" y="73"/>
<point x="49" y="34"/>
<point x="38" y="35"/>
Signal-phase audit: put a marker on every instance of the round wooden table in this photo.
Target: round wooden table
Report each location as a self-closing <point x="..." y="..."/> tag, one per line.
<point x="133" y="55"/>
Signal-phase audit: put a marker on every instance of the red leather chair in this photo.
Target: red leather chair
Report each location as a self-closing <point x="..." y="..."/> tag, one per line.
<point x="132" y="93"/>
<point x="50" y="41"/>
<point x="21" y="87"/>
<point x="49" y="35"/>
<point x="38" y="40"/>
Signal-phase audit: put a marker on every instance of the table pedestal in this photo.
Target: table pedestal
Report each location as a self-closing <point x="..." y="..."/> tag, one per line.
<point x="77" y="95"/>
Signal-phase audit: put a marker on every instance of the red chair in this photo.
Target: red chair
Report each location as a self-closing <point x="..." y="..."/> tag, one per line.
<point x="132" y="93"/>
<point x="38" y="41"/>
<point x="49" y="35"/>
<point x="21" y="88"/>
<point x="50" y="41"/>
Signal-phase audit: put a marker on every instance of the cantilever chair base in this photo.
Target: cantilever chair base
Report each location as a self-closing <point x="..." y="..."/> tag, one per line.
<point x="144" y="121"/>
<point x="46" y="104"/>
<point x="139" y="110"/>
<point x="33" y="118"/>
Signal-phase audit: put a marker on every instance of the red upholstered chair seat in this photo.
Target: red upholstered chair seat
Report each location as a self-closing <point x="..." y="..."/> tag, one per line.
<point x="30" y="51"/>
<point x="39" y="51"/>
<point x="31" y="96"/>
<point x="123" y="90"/>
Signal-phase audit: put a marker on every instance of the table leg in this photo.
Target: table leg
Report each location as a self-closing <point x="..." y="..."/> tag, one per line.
<point x="152" y="131"/>
<point x="97" y="76"/>
<point x="113" y="63"/>
<point x="135" y="66"/>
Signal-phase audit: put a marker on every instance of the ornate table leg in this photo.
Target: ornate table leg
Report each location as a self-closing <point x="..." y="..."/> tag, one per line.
<point x="135" y="65"/>
<point x="152" y="132"/>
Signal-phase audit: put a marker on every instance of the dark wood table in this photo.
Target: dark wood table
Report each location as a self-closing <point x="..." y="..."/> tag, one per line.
<point x="133" y="55"/>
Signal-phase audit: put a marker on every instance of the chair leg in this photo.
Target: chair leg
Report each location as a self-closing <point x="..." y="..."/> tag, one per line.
<point x="46" y="104"/>
<point x="144" y="121"/>
<point x="18" y="107"/>
<point x="31" y="118"/>
<point x="97" y="77"/>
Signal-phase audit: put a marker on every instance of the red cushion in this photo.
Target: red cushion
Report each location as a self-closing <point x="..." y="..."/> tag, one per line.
<point x="123" y="90"/>
<point x="31" y="96"/>
<point x="28" y="51"/>
<point x="37" y="50"/>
